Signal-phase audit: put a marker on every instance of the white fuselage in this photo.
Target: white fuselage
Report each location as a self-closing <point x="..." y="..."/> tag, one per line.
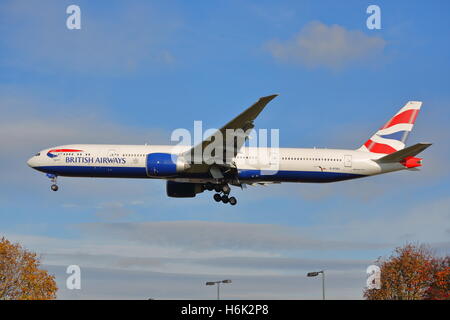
<point x="253" y="164"/>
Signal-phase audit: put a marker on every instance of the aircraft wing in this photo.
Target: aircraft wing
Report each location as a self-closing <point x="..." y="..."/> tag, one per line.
<point x="226" y="142"/>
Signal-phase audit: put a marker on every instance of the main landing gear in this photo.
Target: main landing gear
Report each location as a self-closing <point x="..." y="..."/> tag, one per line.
<point x="223" y="190"/>
<point x="53" y="177"/>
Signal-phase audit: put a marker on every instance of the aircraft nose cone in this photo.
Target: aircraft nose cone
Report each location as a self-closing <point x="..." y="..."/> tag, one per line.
<point x="31" y="162"/>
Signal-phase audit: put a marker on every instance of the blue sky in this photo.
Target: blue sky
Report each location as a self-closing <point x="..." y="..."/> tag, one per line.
<point x="138" y="70"/>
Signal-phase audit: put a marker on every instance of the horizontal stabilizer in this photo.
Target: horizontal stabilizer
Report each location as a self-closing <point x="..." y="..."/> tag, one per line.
<point x="404" y="153"/>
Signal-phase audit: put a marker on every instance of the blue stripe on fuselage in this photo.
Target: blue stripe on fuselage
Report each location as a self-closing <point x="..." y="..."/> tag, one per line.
<point x="243" y="175"/>
<point x="297" y="176"/>
<point x="89" y="171"/>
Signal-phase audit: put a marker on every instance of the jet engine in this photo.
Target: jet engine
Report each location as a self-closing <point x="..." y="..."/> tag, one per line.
<point x="164" y="165"/>
<point x="183" y="189"/>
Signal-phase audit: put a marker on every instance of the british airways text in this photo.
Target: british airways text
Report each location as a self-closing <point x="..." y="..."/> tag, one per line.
<point x="95" y="160"/>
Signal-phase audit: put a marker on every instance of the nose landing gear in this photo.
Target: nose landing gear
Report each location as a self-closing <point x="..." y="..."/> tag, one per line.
<point x="54" y="186"/>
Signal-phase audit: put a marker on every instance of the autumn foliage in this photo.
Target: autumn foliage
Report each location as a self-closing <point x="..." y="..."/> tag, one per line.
<point x="20" y="275"/>
<point x="440" y="287"/>
<point x="412" y="272"/>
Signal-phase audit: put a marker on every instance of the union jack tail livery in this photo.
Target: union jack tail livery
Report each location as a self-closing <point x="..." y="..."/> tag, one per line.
<point x="392" y="136"/>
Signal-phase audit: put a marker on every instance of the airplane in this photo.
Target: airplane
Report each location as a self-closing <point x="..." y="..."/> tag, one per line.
<point x="187" y="175"/>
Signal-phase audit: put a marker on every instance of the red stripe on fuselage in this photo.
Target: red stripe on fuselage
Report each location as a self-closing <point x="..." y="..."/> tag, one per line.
<point x="64" y="150"/>
<point x="408" y="116"/>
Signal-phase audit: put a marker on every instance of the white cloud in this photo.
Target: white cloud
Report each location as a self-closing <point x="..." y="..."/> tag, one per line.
<point x="332" y="46"/>
<point x="206" y="236"/>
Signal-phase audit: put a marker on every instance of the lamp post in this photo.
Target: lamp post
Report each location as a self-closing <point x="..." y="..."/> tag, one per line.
<point x="315" y="274"/>
<point x="211" y="283"/>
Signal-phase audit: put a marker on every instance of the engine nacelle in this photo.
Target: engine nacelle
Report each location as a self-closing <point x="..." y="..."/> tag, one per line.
<point x="164" y="165"/>
<point x="411" y="162"/>
<point x="183" y="189"/>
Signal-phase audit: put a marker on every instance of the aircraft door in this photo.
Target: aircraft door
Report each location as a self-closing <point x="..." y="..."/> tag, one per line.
<point x="348" y="161"/>
<point x="269" y="161"/>
<point x="274" y="161"/>
<point x="110" y="168"/>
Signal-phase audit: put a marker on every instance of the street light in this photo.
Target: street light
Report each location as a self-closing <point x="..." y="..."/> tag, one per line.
<point x="315" y="274"/>
<point x="211" y="283"/>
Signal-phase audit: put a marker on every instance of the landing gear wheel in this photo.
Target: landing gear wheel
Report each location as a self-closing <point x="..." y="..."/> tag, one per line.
<point x="226" y="189"/>
<point x="217" y="188"/>
<point x="217" y="197"/>
<point x="225" y="198"/>
<point x="232" y="201"/>
<point x="53" y="178"/>
<point x="209" y="186"/>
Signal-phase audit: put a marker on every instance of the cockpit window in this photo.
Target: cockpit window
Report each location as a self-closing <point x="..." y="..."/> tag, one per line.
<point x="37" y="154"/>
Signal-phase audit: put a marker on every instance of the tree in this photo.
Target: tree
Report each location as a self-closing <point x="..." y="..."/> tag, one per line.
<point x="440" y="287"/>
<point x="20" y="275"/>
<point x="412" y="272"/>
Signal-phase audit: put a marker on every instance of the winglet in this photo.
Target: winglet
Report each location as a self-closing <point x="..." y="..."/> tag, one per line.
<point x="258" y="106"/>
<point x="270" y="97"/>
<point x="250" y="114"/>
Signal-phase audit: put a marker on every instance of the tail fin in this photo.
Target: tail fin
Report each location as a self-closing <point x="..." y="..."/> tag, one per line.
<point x="392" y="136"/>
